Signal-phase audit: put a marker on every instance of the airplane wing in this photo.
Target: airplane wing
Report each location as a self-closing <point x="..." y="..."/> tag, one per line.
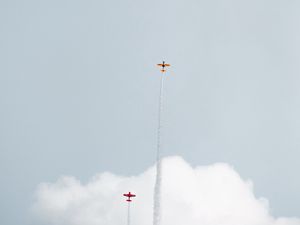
<point x="160" y="64"/>
<point x="126" y="195"/>
<point x="167" y="65"/>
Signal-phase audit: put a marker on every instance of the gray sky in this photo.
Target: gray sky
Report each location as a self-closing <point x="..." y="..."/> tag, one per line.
<point x="79" y="92"/>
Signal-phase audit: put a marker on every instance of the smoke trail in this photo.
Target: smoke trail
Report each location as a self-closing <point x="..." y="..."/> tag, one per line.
<point x="128" y="214"/>
<point x="157" y="188"/>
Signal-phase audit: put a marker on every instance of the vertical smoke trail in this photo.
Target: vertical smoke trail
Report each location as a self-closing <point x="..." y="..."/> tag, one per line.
<point x="157" y="188"/>
<point x="128" y="214"/>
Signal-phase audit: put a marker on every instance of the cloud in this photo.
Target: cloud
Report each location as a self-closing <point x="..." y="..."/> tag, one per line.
<point x="205" y="195"/>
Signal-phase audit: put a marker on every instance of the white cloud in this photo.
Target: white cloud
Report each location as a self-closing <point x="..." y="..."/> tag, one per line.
<point x="206" y="195"/>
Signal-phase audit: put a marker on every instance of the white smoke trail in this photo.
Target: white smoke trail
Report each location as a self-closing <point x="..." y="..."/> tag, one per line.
<point x="157" y="188"/>
<point x="128" y="214"/>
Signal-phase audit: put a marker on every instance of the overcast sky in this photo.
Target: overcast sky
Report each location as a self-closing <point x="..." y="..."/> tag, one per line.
<point x="79" y="92"/>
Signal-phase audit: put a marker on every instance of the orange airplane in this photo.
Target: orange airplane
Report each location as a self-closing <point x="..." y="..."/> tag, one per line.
<point x="163" y="65"/>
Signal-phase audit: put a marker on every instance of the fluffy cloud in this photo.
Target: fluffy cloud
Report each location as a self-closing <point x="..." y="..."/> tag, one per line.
<point x="206" y="195"/>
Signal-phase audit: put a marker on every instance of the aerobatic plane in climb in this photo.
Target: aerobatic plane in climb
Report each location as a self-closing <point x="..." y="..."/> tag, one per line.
<point x="129" y="195"/>
<point x="163" y="65"/>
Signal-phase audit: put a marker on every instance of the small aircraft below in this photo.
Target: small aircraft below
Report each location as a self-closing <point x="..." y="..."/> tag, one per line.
<point x="129" y="195"/>
<point x="163" y="65"/>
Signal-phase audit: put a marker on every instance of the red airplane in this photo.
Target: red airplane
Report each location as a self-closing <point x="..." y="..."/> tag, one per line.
<point x="129" y="195"/>
<point x="163" y="65"/>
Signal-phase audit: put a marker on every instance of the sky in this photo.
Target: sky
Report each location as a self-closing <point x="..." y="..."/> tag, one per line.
<point x="79" y="93"/>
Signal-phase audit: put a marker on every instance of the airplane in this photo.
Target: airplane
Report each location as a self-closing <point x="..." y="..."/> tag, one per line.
<point x="129" y="195"/>
<point x="163" y="65"/>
